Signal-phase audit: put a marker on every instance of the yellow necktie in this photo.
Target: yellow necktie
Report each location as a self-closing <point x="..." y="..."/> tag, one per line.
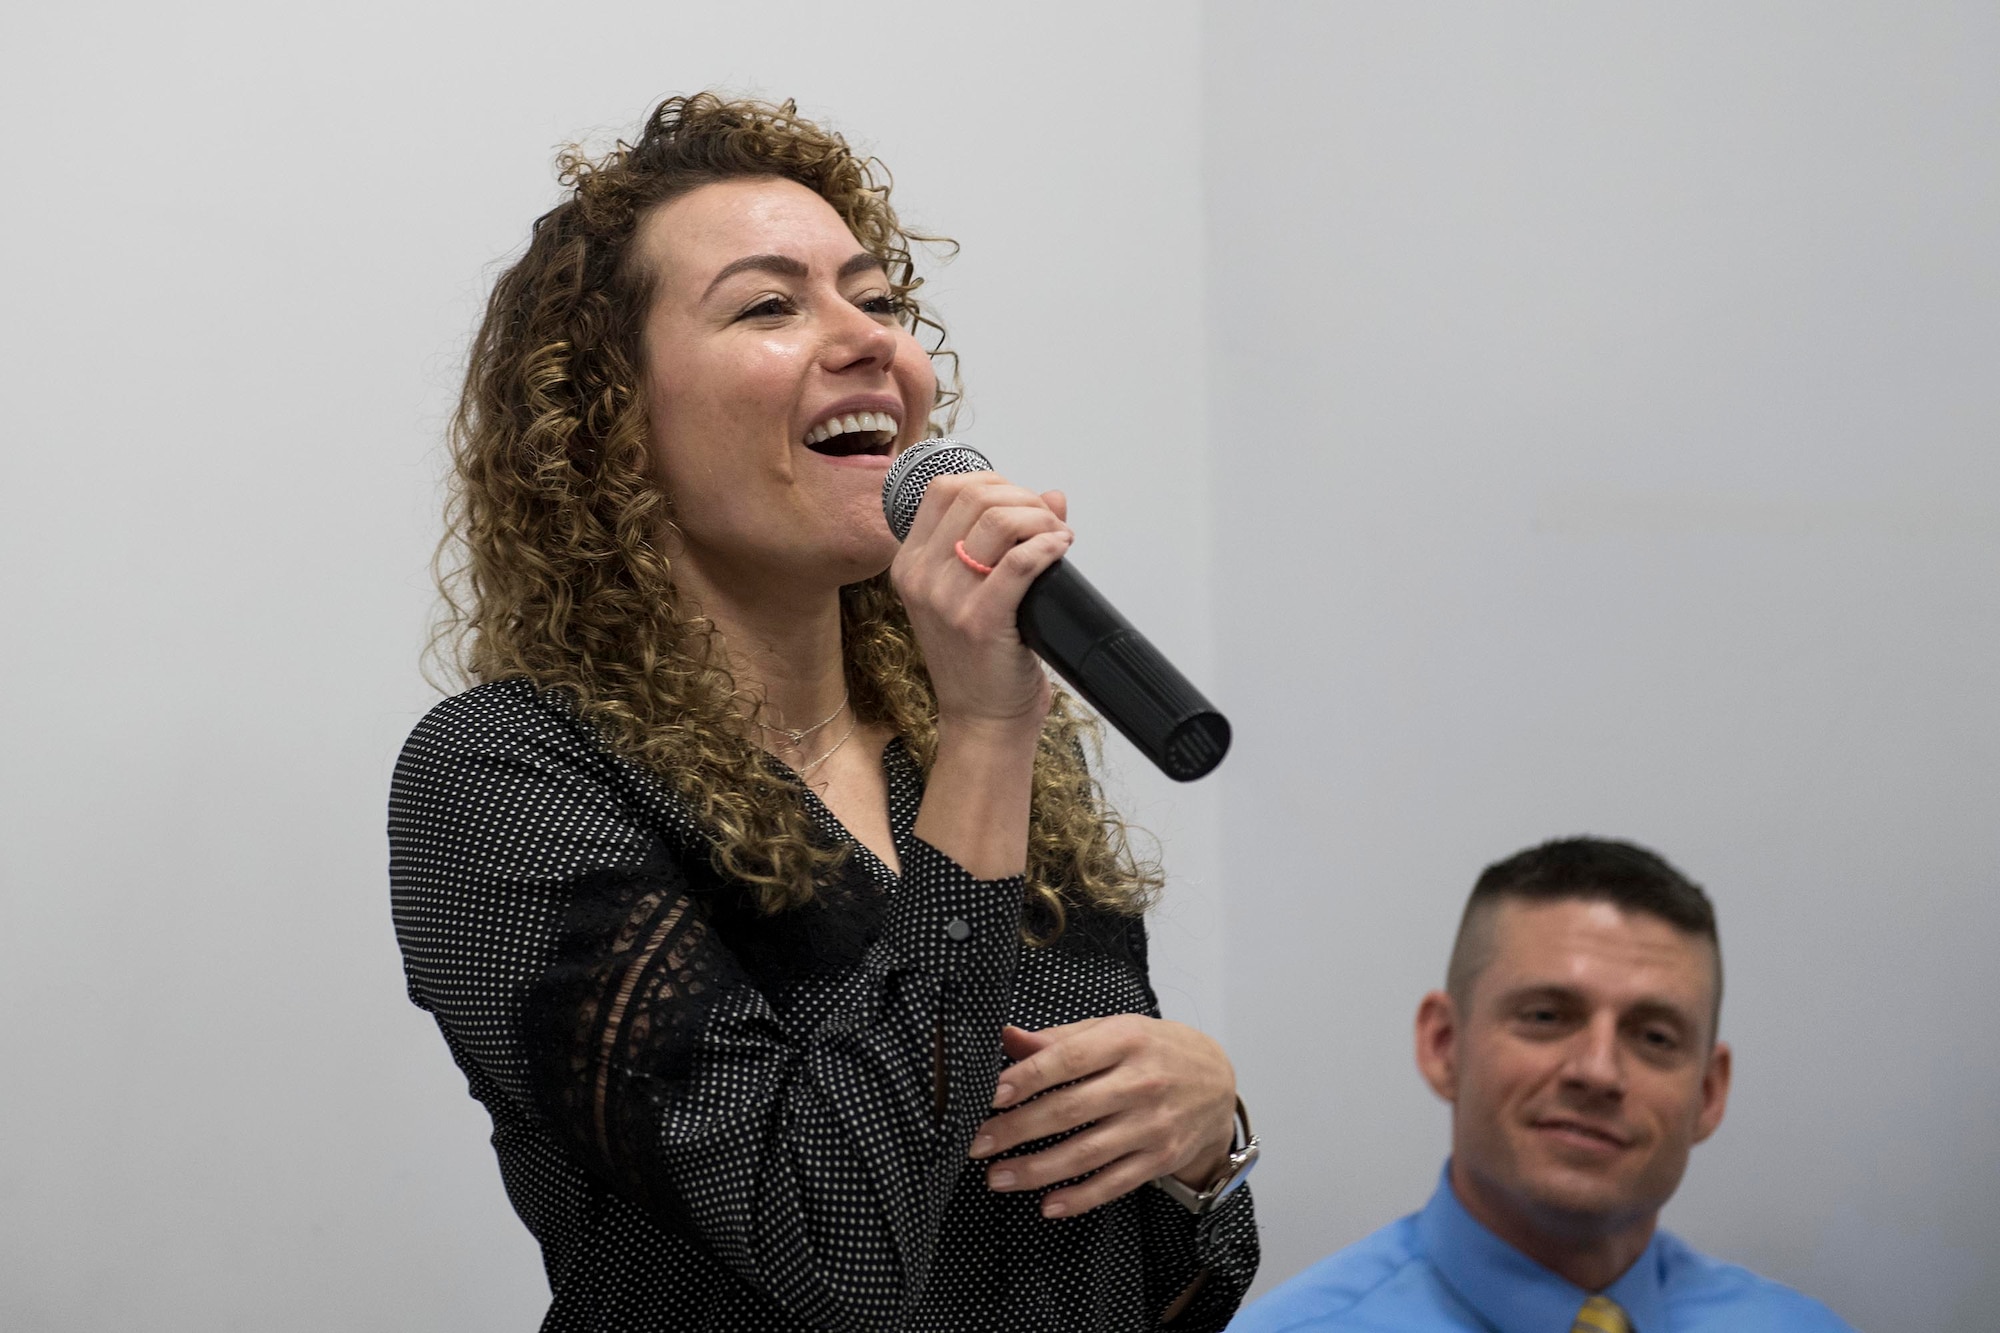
<point x="1601" y="1315"/>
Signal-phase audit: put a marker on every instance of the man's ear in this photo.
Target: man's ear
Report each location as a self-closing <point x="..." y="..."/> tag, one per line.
<point x="1714" y="1091"/>
<point x="1437" y="1043"/>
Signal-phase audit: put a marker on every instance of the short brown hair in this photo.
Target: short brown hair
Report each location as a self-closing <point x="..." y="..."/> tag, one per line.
<point x="1588" y="869"/>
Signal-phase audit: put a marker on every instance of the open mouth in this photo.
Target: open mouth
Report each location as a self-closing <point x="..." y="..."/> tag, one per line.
<point x="853" y="433"/>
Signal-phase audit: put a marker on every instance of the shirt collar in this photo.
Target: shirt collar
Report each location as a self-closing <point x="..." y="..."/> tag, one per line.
<point x="1512" y="1292"/>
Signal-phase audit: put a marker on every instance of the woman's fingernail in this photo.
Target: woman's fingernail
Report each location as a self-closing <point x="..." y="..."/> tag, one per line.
<point x="982" y="1145"/>
<point x="1001" y="1179"/>
<point x="1054" y="1208"/>
<point x="1003" y="1094"/>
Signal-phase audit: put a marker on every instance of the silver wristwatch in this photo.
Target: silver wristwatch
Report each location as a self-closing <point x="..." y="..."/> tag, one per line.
<point x="1241" y="1159"/>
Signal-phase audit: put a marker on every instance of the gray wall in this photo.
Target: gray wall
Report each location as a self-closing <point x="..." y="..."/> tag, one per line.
<point x="245" y="246"/>
<point x="1604" y="421"/>
<point x="1529" y="423"/>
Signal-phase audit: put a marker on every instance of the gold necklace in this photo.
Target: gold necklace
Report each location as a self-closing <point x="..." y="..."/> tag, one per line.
<point x="836" y="745"/>
<point x="796" y="737"/>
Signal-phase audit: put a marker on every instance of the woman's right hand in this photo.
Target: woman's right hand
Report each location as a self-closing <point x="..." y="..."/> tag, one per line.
<point x="992" y="692"/>
<point x="984" y="675"/>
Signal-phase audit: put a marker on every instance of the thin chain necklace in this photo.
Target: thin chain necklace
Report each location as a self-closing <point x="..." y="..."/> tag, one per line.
<point x="836" y="746"/>
<point x="796" y="737"/>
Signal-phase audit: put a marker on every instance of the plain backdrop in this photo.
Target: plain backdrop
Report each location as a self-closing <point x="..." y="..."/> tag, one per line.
<point x="1525" y="420"/>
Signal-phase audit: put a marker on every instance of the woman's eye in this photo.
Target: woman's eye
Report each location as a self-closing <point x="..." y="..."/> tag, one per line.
<point x="884" y="304"/>
<point x="768" y="307"/>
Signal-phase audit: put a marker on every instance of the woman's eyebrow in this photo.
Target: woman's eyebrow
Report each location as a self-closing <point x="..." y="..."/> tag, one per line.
<point x="786" y="266"/>
<point x="861" y="263"/>
<point x="783" y="265"/>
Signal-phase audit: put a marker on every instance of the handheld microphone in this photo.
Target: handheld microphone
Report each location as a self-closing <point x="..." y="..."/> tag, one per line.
<point x="1072" y="628"/>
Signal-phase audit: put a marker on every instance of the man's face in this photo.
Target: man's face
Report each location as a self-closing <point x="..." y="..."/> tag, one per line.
<point x="1581" y="1066"/>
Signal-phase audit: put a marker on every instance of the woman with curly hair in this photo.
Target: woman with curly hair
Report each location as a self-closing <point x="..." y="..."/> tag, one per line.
<point x="757" y="883"/>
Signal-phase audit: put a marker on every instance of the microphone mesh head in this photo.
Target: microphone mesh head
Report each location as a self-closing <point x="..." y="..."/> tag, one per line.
<point x="915" y="469"/>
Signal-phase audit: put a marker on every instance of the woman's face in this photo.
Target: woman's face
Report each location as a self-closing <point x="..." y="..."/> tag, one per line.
<point x="780" y="385"/>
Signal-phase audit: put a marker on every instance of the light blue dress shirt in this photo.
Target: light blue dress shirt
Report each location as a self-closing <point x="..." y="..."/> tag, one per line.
<point x="1442" y="1270"/>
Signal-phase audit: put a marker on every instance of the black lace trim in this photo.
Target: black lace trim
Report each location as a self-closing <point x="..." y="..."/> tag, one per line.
<point x="614" y="1023"/>
<point x="827" y="935"/>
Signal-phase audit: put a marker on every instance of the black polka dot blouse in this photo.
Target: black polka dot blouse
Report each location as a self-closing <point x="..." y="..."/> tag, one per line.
<point x="716" y="1120"/>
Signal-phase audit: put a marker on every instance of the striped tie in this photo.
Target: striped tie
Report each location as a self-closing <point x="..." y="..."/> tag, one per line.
<point x="1600" y="1314"/>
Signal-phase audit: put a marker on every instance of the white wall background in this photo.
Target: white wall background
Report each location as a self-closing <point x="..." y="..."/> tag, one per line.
<point x="245" y="247"/>
<point x="1529" y="420"/>
<point x="1605" y="404"/>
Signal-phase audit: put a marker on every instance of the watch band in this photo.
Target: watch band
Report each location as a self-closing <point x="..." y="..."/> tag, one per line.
<point x="1241" y="1159"/>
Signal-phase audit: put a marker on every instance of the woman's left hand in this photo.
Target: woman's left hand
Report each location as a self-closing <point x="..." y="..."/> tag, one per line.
<point x="1159" y="1098"/>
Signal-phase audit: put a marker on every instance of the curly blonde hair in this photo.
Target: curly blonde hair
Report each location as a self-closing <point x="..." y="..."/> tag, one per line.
<point x="551" y="568"/>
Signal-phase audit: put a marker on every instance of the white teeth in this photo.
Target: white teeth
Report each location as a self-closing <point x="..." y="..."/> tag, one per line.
<point x="851" y="422"/>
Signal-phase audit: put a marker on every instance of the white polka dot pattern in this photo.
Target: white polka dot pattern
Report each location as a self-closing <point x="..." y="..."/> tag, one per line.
<point x="713" y="1120"/>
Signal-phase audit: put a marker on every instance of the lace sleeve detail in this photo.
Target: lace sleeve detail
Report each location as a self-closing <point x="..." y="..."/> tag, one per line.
<point x="813" y="1152"/>
<point x="618" y="1018"/>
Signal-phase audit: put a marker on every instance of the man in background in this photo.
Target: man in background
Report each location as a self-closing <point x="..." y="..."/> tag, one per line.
<point x="1576" y="1041"/>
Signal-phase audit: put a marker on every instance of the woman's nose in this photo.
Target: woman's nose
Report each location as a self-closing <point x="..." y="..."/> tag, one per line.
<point x="858" y="340"/>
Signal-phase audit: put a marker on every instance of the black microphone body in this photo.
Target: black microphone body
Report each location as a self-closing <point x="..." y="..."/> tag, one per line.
<point x="1075" y="630"/>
